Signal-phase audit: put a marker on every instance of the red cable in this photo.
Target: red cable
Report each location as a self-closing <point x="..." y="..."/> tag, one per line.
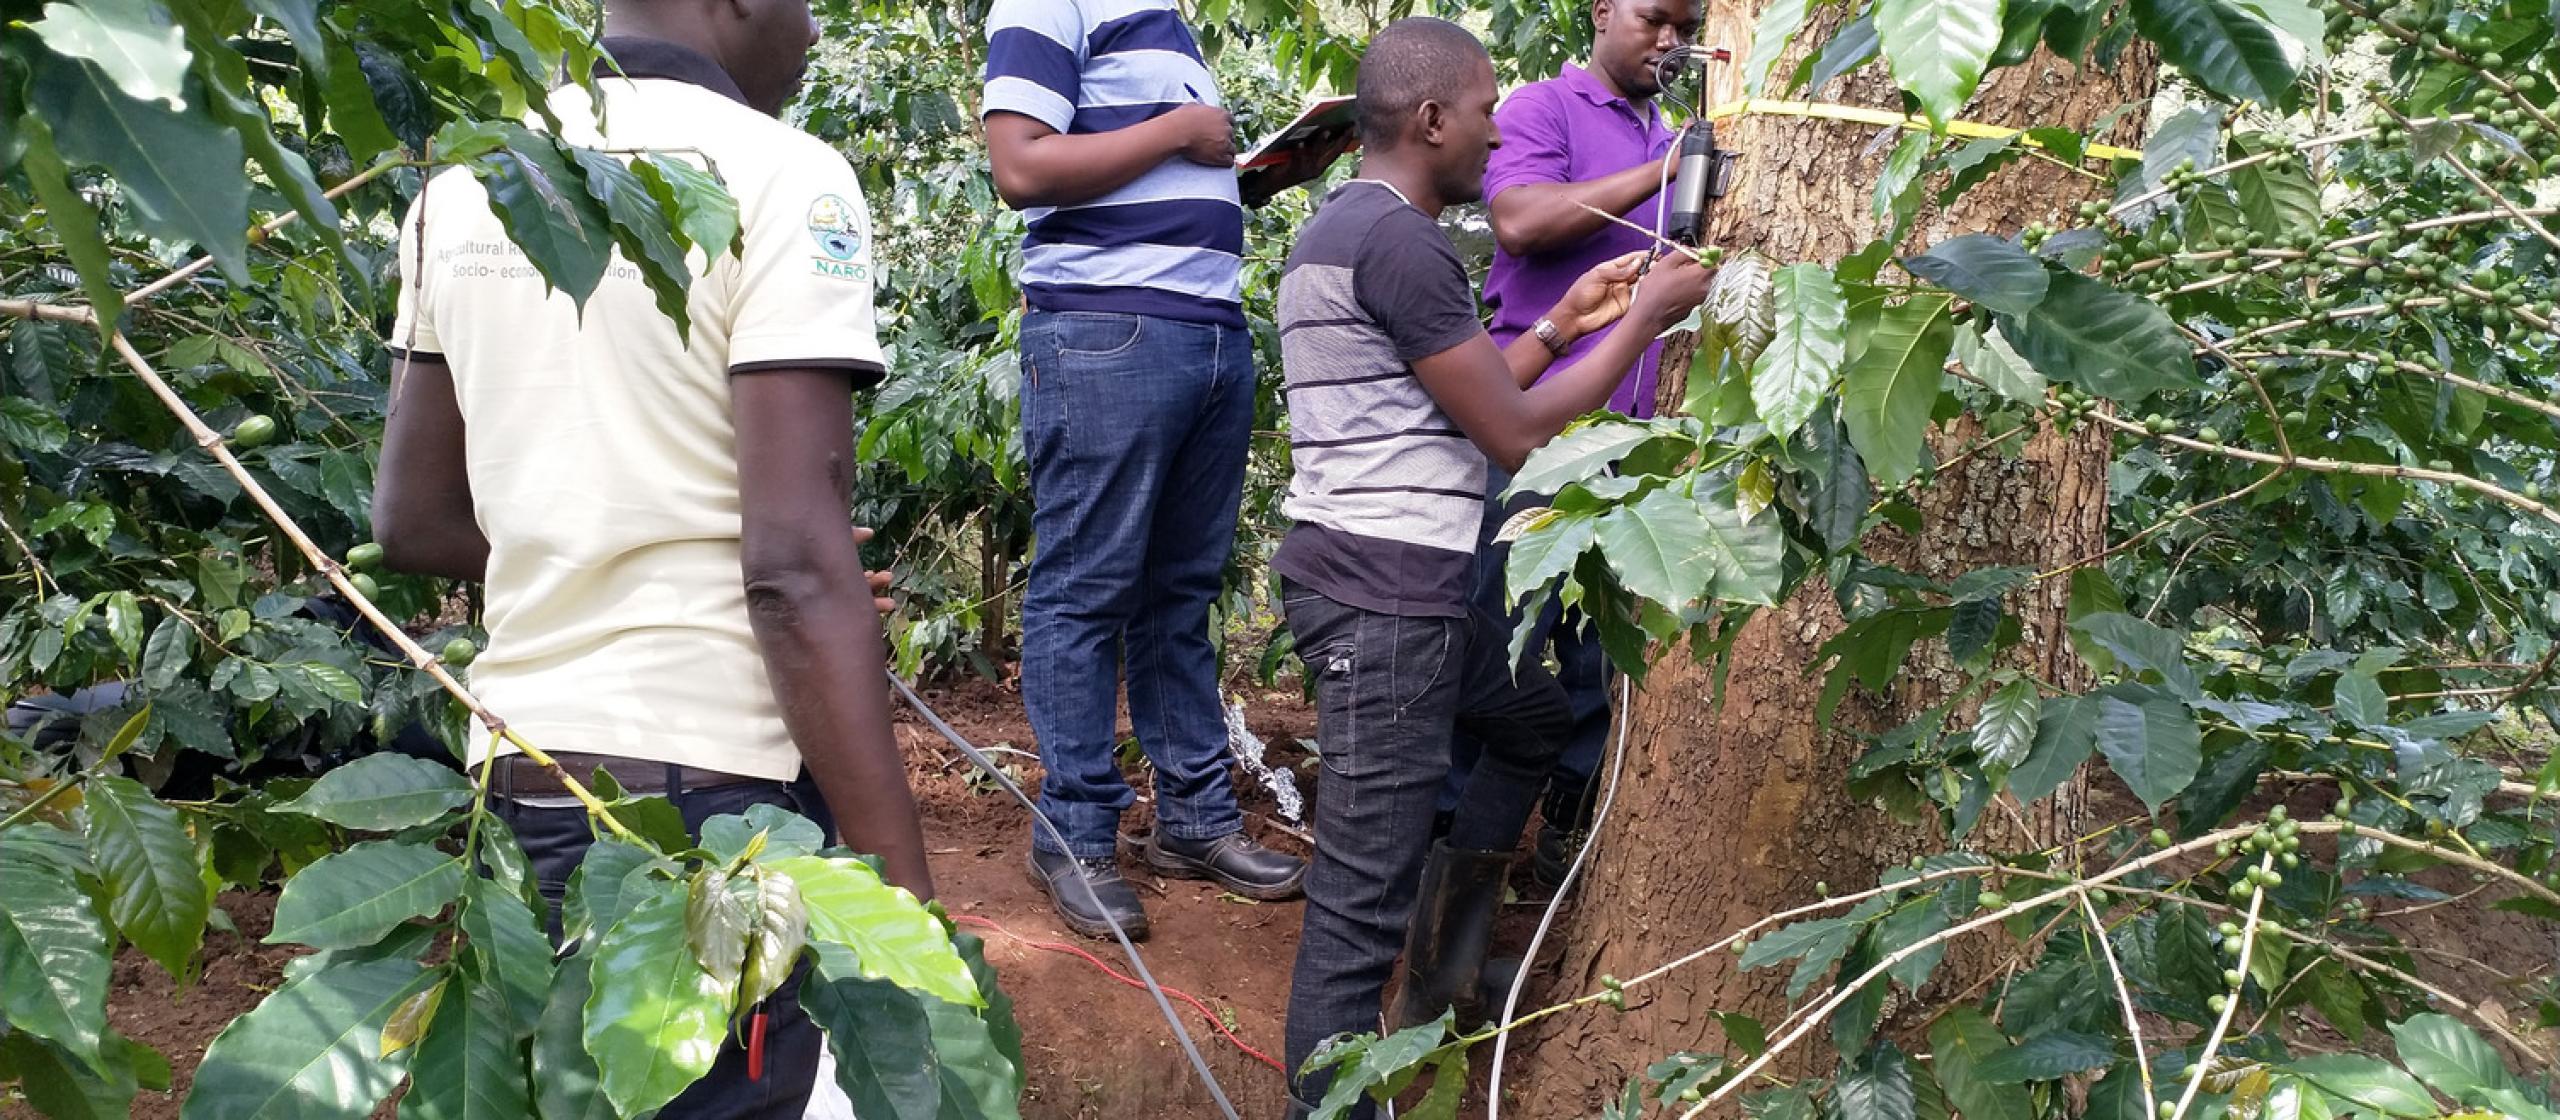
<point x="1107" y="970"/>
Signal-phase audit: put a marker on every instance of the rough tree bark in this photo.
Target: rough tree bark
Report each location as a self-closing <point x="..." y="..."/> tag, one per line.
<point x="1728" y="814"/>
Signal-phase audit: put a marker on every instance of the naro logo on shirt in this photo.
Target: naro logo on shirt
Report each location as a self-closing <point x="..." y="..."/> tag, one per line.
<point x="835" y="225"/>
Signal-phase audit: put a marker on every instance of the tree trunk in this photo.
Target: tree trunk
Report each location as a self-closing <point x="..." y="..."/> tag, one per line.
<point x="1727" y="814"/>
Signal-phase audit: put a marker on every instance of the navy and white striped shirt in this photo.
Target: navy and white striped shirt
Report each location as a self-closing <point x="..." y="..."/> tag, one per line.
<point x="1169" y="243"/>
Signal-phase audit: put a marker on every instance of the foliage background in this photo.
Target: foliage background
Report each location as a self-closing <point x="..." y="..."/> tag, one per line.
<point x="2374" y="318"/>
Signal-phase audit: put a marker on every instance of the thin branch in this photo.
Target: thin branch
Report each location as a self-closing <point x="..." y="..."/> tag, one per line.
<point x="2494" y="80"/>
<point x="2483" y="185"/>
<point x="2448" y="900"/>
<point x="2269" y="258"/>
<point x="2507" y="786"/>
<point x="2189" y="513"/>
<point x="30" y="809"/>
<point x="2546" y="407"/>
<point x="2169" y="581"/>
<point x="2245" y="161"/>
<point x="1819" y="1012"/>
<point x="2124" y="995"/>
<point x="2340" y="315"/>
<point x="2541" y="671"/>
<point x="1659" y="240"/>
<point x="264" y="230"/>
<point x="2332" y="948"/>
<point x="2275" y="416"/>
<point x="2336" y="466"/>
<point x="2230" y="1002"/>
<point x="175" y="611"/>
<point x="1809" y="1019"/>
<point x="34" y="562"/>
<point x="1674" y="965"/>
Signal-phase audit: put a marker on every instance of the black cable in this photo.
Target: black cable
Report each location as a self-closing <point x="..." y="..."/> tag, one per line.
<point x="1181" y="1033"/>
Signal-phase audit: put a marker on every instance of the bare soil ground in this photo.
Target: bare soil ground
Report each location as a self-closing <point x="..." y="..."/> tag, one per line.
<point x="1097" y="1048"/>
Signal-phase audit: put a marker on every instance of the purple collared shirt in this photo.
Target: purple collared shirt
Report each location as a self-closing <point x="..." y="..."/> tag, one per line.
<point x="1570" y="129"/>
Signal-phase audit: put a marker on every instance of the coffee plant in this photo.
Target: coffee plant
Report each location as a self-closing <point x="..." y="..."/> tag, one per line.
<point x="219" y="696"/>
<point x="2316" y="322"/>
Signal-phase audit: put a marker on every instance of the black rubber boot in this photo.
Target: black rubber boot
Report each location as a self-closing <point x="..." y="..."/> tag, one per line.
<point x="1444" y="947"/>
<point x="1567" y="822"/>
<point x="1494" y="985"/>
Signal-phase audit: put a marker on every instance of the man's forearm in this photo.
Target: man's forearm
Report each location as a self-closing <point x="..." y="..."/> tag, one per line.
<point x="1585" y="385"/>
<point x="821" y="640"/>
<point x="1528" y="357"/>
<point x="1538" y="218"/>
<point x="1064" y="169"/>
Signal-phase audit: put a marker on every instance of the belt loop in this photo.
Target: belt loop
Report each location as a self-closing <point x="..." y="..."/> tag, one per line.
<point x="502" y="775"/>
<point x="675" y="786"/>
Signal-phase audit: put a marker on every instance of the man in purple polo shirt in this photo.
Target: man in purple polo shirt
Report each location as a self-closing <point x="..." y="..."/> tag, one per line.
<point x="1594" y="137"/>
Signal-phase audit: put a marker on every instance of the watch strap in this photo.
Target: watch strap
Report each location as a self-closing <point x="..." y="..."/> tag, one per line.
<point x="1549" y="335"/>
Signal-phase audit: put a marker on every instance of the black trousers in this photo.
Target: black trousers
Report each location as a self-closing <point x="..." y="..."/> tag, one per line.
<point x="1391" y="692"/>
<point x="556" y="840"/>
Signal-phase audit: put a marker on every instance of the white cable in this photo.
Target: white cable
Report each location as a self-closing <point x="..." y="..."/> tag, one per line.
<point x="1181" y="1034"/>
<point x="1609" y="792"/>
<point x="1529" y="960"/>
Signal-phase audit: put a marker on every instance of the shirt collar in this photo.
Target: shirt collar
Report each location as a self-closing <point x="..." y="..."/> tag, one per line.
<point x="656" y="58"/>
<point x="1592" y="89"/>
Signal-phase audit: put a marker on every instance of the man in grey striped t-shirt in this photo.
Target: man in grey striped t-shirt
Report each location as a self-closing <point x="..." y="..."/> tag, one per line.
<point x="1396" y="398"/>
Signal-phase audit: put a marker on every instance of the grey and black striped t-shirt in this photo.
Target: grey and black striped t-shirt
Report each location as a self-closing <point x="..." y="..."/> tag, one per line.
<point x="1388" y="494"/>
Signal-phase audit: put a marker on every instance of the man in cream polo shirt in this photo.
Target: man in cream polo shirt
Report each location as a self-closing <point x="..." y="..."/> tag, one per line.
<point x="674" y="589"/>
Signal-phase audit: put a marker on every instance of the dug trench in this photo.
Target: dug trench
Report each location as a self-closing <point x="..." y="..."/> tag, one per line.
<point x="1096" y="1047"/>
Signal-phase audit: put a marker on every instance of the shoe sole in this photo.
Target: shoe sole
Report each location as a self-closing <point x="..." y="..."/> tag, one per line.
<point x="1099" y="931"/>
<point x="1183" y="867"/>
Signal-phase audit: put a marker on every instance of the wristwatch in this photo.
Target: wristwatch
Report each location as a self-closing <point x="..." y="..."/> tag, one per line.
<point x="1550" y="334"/>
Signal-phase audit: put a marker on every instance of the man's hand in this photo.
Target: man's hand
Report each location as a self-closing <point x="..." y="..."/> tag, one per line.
<point x="879" y="581"/>
<point x="1599" y="297"/>
<point x="1260" y="184"/>
<point x="1203" y="135"/>
<point x="1676" y="286"/>
<point x="1036" y="165"/>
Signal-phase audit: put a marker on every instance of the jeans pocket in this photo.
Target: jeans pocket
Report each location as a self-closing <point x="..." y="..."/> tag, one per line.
<point x="1334" y="668"/>
<point x="1095" y="334"/>
<point x="1423" y="650"/>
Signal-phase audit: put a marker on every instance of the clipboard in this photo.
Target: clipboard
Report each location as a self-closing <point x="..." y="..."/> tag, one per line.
<point x="1325" y="122"/>
<point x="1322" y="122"/>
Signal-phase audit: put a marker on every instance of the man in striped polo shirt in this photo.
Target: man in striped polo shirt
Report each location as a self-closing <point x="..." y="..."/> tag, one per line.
<point x="1103" y="125"/>
<point x="1397" y="396"/>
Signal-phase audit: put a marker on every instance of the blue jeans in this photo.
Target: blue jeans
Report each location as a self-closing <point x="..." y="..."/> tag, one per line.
<point x="1136" y="428"/>
<point x="1582" y="667"/>
<point x="1390" y="691"/>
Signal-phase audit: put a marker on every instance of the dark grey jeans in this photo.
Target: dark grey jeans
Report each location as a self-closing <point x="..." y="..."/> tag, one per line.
<point x="556" y="841"/>
<point x="1391" y="691"/>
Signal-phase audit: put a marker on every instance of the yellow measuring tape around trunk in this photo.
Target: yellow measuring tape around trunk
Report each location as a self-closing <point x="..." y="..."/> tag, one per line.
<point x="1754" y="106"/>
